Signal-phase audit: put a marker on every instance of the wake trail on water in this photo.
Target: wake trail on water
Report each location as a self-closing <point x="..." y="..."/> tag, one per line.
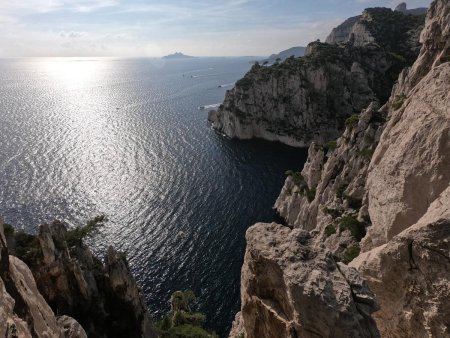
<point x="215" y="105"/>
<point x="226" y="85"/>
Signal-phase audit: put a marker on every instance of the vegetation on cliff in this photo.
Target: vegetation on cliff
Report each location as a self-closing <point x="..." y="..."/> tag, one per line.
<point x="307" y="99"/>
<point x="181" y="321"/>
<point x="103" y="297"/>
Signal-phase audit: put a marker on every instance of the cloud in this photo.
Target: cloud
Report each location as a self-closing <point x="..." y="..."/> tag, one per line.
<point x="152" y="28"/>
<point x="72" y="34"/>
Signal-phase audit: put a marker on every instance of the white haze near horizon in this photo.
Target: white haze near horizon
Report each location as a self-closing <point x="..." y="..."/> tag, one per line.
<point x="138" y="28"/>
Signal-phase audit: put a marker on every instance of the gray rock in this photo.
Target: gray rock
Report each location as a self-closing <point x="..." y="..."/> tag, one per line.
<point x="71" y="328"/>
<point x="308" y="99"/>
<point x="401" y="7"/>
<point x="291" y="289"/>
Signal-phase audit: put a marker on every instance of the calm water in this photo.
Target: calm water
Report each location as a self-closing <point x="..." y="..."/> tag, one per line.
<point x="125" y="138"/>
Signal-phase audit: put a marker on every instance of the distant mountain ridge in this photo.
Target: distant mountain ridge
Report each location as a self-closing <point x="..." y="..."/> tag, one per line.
<point x="178" y="55"/>
<point x="283" y="55"/>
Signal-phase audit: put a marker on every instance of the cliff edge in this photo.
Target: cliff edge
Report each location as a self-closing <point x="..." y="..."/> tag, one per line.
<point x="308" y="99"/>
<point x="375" y="201"/>
<point x="55" y="273"/>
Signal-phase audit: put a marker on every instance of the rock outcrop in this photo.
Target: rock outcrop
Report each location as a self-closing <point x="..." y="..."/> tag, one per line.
<point x="23" y="310"/>
<point x="61" y="273"/>
<point x="335" y="211"/>
<point x="291" y="289"/>
<point x="357" y="24"/>
<point x="411" y="276"/>
<point x="403" y="8"/>
<point x="307" y="99"/>
<point x="342" y="32"/>
<point x="377" y="198"/>
<point x="406" y="251"/>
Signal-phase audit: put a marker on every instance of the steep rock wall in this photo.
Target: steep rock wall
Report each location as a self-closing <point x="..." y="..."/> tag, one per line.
<point x="304" y="100"/>
<point x="387" y="176"/>
<point x="62" y="276"/>
<point x="291" y="289"/>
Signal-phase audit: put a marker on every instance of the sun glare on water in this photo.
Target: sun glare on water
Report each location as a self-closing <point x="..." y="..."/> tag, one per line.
<point x="73" y="73"/>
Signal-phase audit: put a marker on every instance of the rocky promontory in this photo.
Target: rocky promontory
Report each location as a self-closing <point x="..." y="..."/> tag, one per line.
<point x="308" y="99"/>
<point x="376" y="202"/>
<point x="52" y="286"/>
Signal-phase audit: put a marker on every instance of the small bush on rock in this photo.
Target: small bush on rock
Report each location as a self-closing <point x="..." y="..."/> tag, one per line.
<point x="350" y="254"/>
<point x="352" y="121"/>
<point x="356" y="228"/>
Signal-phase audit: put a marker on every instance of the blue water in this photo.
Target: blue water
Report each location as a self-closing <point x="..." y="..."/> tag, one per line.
<point x="126" y="138"/>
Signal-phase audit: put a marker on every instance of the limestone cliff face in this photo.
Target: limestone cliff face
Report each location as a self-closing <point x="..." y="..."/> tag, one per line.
<point x="23" y="310"/>
<point x="371" y="26"/>
<point x="65" y="278"/>
<point x="342" y="32"/>
<point x="335" y="211"/>
<point x="377" y="198"/>
<point x="406" y="251"/>
<point x="410" y="276"/>
<point x="290" y="288"/>
<point x="410" y="167"/>
<point x="308" y="99"/>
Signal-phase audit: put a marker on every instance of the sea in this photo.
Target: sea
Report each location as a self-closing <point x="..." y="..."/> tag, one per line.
<point x="129" y="139"/>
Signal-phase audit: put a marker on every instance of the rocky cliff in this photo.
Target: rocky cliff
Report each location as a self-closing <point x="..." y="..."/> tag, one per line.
<point x="377" y="198"/>
<point x="402" y="7"/>
<point x="54" y="272"/>
<point x="364" y="31"/>
<point x="308" y="99"/>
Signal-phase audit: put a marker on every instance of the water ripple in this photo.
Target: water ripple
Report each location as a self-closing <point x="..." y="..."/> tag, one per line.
<point x="124" y="138"/>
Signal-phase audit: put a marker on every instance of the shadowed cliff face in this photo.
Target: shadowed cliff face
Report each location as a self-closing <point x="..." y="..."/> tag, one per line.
<point x="382" y="189"/>
<point x="23" y="310"/>
<point x="63" y="277"/>
<point x="308" y="99"/>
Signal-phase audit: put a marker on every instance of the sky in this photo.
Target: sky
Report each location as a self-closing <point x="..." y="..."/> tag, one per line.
<point x="152" y="28"/>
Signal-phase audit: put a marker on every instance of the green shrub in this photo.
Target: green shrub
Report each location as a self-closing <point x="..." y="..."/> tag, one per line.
<point x="352" y="121"/>
<point x="8" y="229"/>
<point x="367" y="153"/>
<point x="289" y="173"/>
<point x="340" y="191"/>
<point x="331" y="145"/>
<point x="330" y="230"/>
<point x="181" y="321"/>
<point x="189" y="331"/>
<point x="332" y="212"/>
<point x="76" y="235"/>
<point x="310" y="194"/>
<point x="298" y="179"/>
<point x="350" y="254"/>
<point x="27" y="248"/>
<point x="398" y="102"/>
<point x="356" y="228"/>
<point x="245" y="83"/>
<point x="354" y="203"/>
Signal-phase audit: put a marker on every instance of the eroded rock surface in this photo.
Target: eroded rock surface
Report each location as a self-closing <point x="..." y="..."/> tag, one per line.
<point x="59" y="274"/>
<point x="337" y="174"/>
<point x="304" y="100"/>
<point x="387" y="175"/>
<point x="291" y="289"/>
<point x="23" y="310"/>
<point x="411" y="276"/>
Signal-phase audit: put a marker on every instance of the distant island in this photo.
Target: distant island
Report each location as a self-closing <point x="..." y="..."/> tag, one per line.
<point x="178" y="55"/>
